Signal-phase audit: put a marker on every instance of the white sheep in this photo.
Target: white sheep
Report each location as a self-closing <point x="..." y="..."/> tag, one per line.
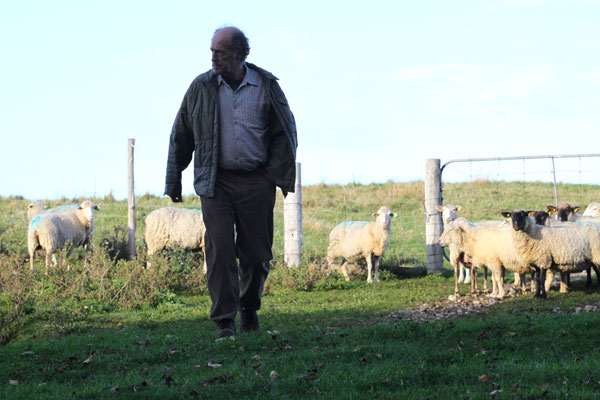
<point x="568" y="248"/>
<point x="567" y="215"/>
<point x="169" y="226"/>
<point x="592" y="210"/>
<point x="459" y="260"/>
<point x="486" y="247"/>
<point x="355" y="240"/>
<point x="456" y="257"/>
<point x="54" y="231"/>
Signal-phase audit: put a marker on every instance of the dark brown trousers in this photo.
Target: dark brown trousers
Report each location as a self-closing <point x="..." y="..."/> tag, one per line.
<point x="239" y="224"/>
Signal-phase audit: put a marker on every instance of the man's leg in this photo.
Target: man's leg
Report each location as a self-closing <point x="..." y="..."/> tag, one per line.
<point x="222" y="272"/>
<point x="254" y="224"/>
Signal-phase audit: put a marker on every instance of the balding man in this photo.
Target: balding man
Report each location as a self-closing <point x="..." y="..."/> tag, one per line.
<point x="236" y="123"/>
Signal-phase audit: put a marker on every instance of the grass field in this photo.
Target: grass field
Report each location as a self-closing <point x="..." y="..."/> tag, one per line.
<point x="109" y="328"/>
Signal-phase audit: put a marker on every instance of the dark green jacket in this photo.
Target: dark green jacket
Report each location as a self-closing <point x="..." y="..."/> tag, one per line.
<point x="196" y="130"/>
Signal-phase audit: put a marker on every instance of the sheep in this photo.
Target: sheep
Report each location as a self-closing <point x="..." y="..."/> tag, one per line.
<point x="459" y="260"/>
<point x="456" y="257"/>
<point x="354" y="240"/>
<point x="169" y="226"/>
<point x="566" y="214"/>
<point x="53" y="231"/>
<point x="487" y="247"/>
<point x="592" y="210"/>
<point x="567" y="248"/>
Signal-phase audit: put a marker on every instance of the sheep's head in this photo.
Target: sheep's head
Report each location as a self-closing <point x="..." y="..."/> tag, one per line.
<point x="384" y="216"/>
<point x="540" y="217"/>
<point x="564" y="212"/>
<point x="449" y="212"/>
<point x="452" y="234"/>
<point x="88" y="208"/>
<point x="519" y="218"/>
<point x="593" y="209"/>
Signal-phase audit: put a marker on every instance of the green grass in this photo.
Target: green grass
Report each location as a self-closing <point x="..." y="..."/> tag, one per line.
<point x="109" y="328"/>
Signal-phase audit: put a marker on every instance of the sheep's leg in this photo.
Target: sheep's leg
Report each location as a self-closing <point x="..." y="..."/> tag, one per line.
<point x="588" y="280"/>
<point x="376" y="267"/>
<point x="457" y="276"/>
<point x="517" y="281"/>
<point x="541" y="287"/>
<point x="467" y="274"/>
<point x="460" y="275"/>
<point x="369" y="259"/>
<point x="473" y="279"/>
<point x="31" y="256"/>
<point x="485" y="278"/>
<point x="549" y="279"/>
<point x="597" y="273"/>
<point x="498" y="282"/>
<point x="564" y="288"/>
<point x="345" y="270"/>
<point x="494" y="285"/>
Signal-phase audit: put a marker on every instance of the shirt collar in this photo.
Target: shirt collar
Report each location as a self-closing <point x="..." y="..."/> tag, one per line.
<point x="250" y="77"/>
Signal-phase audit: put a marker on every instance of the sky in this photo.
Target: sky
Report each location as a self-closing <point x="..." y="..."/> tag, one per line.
<point x="376" y="87"/>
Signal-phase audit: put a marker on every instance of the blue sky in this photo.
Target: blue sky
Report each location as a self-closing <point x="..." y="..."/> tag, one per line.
<point x="376" y="87"/>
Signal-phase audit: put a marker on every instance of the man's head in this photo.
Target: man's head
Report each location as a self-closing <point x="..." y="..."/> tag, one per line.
<point x="229" y="49"/>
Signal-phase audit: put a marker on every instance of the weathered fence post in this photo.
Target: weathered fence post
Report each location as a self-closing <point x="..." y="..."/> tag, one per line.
<point x="131" y="204"/>
<point x="433" y="219"/>
<point x="292" y="221"/>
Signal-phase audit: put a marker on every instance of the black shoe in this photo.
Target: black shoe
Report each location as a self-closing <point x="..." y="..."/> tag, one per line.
<point x="249" y="321"/>
<point x="226" y="328"/>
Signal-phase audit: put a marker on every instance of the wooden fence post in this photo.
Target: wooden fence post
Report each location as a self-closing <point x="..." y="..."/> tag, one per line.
<point x="131" y="204"/>
<point x="433" y="218"/>
<point x="292" y="221"/>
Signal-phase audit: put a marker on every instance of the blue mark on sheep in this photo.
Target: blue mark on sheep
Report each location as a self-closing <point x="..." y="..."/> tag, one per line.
<point x="35" y="222"/>
<point x="360" y="223"/>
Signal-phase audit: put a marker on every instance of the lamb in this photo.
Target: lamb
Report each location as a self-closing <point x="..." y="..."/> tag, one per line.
<point x="354" y="240"/>
<point x="487" y="247"/>
<point x="567" y="248"/>
<point x="169" y="226"/>
<point x="54" y="231"/>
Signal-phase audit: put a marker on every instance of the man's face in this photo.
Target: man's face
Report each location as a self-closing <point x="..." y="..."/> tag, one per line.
<point x="224" y="61"/>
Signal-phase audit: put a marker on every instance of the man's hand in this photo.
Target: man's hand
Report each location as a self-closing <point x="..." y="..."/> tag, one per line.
<point x="176" y="198"/>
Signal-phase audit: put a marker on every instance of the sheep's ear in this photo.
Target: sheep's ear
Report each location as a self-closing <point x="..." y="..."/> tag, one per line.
<point x="393" y="215"/>
<point x="550" y="212"/>
<point x="506" y="214"/>
<point x="551" y="208"/>
<point x="96" y="207"/>
<point x="439" y="208"/>
<point x="576" y="209"/>
<point x="30" y="205"/>
<point x="375" y="215"/>
<point x="530" y="213"/>
<point x="458" y="208"/>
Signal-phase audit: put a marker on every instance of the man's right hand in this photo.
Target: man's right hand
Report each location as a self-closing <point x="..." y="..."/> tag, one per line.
<point x="176" y="198"/>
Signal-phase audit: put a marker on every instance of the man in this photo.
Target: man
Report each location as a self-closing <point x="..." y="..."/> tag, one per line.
<point x="236" y="121"/>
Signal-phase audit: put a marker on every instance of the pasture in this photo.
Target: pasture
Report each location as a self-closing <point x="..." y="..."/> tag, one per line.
<point x="109" y="328"/>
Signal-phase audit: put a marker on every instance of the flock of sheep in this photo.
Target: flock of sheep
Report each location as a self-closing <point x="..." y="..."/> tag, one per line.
<point x="540" y="243"/>
<point x="558" y="240"/>
<point x="72" y="226"/>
